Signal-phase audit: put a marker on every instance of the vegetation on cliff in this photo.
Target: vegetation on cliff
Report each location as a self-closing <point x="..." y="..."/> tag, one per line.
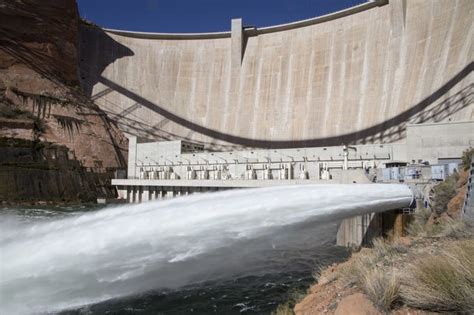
<point x="412" y="275"/>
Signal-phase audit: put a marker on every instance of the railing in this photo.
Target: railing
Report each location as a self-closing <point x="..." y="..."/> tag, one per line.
<point x="468" y="196"/>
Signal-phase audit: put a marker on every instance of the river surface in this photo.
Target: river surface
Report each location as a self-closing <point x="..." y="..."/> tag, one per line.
<point x="233" y="252"/>
<point x="281" y="272"/>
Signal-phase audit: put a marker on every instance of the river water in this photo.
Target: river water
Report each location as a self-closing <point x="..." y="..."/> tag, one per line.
<point x="241" y="251"/>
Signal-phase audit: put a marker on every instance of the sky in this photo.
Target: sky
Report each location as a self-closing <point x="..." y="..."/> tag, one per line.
<point x="194" y="16"/>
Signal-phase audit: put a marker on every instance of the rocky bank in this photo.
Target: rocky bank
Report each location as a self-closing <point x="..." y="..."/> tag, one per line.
<point x="428" y="271"/>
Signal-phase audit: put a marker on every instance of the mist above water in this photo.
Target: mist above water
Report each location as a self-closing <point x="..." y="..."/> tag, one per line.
<point x="88" y="258"/>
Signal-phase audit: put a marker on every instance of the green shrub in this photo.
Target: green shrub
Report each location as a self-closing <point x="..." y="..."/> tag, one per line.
<point x="443" y="193"/>
<point x="87" y="196"/>
<point x="466" y="158"/>
<point x="442" y="282"/>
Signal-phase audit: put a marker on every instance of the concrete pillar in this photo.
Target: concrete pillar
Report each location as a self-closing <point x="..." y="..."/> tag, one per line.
<point x="359" y="230"/>
<point x="145" y="194"/>
<point x="345" y="153"/>
<point x="122" y="192"/>
<point x="130" y="194"/>
<point x="237" y="44"/>
<point x="139" y="194"/>
<point x="136" y="194"/>
<point x="132" y="157"/>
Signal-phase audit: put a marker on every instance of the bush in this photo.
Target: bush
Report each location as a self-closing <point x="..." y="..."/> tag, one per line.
<point x="354" y="270"/>
<point x="381" y="288"/>
<point x="442" y="282"/>
<point x="443" y="193"/>
<point x="453" y="228"/>
<point x="418" y="227"/>
<point x="444" y="227"/>
<point x="87" y="196"/>
<point x="466" y="158"/>
<point x="283" y="309"/>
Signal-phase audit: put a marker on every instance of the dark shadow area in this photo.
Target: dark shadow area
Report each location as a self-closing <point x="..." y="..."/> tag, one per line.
<point x="39" y="35"/>
<point x="388" y="131"/>
<point x="97" y="50"/>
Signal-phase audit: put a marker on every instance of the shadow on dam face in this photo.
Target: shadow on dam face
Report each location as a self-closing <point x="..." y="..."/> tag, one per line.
<point x="91" y="40"/>
<point x="393" y="128"/>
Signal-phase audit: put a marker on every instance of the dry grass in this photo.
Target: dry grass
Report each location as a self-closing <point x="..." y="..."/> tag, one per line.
<point x="454" y="228"/>
<point x="442" y="282"/>
<point x="417" y="226"/>
<point x="383" y="250"/>
<point x="283" y="309"/>
<point x="444" y="228"/>
<point x="354" y="270"/>
<point x="382" y="289"/>
<point x="365" y="271"/>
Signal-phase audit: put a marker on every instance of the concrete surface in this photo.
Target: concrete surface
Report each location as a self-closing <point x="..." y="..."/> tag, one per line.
<point x="354" y="77"/>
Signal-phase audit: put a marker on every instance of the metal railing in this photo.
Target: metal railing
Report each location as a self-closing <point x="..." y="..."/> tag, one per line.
<point x="468" y="196"/>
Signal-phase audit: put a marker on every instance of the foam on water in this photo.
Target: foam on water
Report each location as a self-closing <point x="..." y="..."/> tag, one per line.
<point x="83" y="259"/>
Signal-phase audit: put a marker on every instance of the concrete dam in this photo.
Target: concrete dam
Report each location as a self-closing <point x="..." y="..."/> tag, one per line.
<point x="356" y="76"/>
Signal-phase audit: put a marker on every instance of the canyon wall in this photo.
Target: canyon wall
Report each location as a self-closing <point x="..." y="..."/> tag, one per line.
<point x="42" y="104"/>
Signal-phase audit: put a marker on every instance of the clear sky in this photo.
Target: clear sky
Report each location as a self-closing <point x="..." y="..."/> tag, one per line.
<point x="188" y="16"/>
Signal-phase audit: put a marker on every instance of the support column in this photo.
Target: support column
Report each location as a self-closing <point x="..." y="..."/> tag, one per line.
<point x="151" y="190"/>
<point x="136" y="194"/>
<point x="146" y="194"/>
<point x="130" y="194"/>
<point x="132" y="157"/>
<point x="237" y="44"/>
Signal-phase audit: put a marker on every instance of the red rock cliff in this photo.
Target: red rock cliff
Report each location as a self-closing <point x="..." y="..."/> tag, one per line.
<point x="40" y="96"/>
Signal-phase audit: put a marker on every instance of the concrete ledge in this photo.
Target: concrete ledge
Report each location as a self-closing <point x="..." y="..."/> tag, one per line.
<point x="216" y="183"/>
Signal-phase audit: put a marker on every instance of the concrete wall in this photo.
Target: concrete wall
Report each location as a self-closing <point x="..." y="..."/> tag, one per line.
<point x="355" y="77"/>
<point x="431" y="142"/>
<point x="311" y="163"/>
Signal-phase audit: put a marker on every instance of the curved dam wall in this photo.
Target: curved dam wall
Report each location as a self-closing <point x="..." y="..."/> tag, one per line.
<point x="356" y="76"/>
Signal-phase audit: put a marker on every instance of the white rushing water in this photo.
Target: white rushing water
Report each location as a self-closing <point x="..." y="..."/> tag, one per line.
<point x="83" y="259"/>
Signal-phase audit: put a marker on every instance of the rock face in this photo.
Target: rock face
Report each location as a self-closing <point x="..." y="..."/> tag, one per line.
<point x="41" y="100"/>
<point x="39" y="39"/>
<point x="356" y="304"/>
